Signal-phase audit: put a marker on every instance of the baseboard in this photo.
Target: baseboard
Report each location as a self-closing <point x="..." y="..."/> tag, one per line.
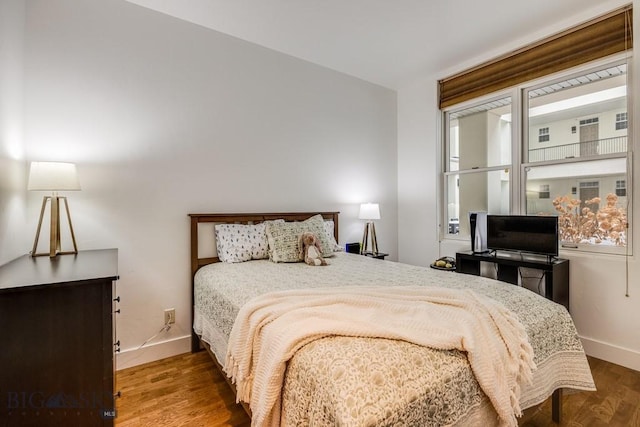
<point x="611" y="353"/>
<point x="152" y="352"/>
<point x="173" y="347"/>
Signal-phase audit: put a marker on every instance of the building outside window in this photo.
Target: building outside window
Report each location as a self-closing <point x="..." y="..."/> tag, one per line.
<point x="621" y="121"/>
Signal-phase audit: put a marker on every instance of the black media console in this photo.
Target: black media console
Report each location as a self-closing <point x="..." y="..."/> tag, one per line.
<point x="556" y="270"/>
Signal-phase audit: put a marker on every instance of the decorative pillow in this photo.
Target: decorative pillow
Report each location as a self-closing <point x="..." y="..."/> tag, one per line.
<point x="237" y="253"/>
<point x="283" y="238"/>
<point x="329" y="226"/>
<point x="241" y="242"/>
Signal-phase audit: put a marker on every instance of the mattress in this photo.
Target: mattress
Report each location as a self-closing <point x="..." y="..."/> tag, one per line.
<point x="370" y="381"/>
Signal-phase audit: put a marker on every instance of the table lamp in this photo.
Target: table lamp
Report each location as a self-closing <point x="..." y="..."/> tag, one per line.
<point x="369" y="212"/>
<point x="53" y="176"/>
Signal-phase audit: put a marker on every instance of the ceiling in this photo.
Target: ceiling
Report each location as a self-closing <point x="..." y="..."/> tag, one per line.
<point x="386" y="42"/>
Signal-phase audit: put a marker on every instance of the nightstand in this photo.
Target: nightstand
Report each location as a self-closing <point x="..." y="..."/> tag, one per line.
<point x="376" y="255"/>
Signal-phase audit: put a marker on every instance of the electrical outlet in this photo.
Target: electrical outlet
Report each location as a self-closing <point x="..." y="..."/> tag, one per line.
<point x="170" y="316"/>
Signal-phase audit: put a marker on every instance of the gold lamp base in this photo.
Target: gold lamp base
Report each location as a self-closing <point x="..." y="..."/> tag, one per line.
<point x="369" y="231"/>
<point x="54" y="237"/>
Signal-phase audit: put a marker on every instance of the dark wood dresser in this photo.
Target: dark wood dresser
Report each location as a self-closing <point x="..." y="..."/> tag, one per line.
<point x="57" y="340"/>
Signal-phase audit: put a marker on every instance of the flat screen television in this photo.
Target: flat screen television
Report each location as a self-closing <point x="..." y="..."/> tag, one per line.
<point x="523" y="233"/>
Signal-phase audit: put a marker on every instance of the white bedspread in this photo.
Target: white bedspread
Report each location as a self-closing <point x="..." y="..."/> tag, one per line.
<point x="378" y="382"/>
<point x="262" y="340"/>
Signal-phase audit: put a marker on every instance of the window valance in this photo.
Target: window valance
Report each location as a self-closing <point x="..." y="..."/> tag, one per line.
<point x="595" y="39"/>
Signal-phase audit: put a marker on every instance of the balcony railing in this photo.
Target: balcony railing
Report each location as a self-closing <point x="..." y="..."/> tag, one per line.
<point x="579" y="149"/>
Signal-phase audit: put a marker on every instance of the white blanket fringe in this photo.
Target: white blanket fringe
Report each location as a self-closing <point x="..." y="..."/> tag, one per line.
<point x="270" y="328"/>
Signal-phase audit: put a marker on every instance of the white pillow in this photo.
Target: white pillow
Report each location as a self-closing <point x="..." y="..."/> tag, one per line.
<point x="329" y="226"/>
<point x="241" y="242"/>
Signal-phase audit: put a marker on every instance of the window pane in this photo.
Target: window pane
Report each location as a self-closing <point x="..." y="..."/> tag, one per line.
<point x="587" y="198"/>
<point x="580" y="116"/>
<point x="481" y="191"/>
<point x="621" y="188"/>
<point x="621" y="121"/>
<point x="480" y="136"/>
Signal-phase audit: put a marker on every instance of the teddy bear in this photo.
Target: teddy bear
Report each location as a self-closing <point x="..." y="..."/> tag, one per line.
<point x="310" y="250"/>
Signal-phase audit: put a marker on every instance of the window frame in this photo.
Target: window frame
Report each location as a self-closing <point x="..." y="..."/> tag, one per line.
<point x="544" y="135"/>
<point x="622" y="187"/>
<point x="620" y="121"/>
<point x="623" y="58"/>
<point x="544" y="192"/>
<point x="444" y="164"/>
<point x="520" y="147"/>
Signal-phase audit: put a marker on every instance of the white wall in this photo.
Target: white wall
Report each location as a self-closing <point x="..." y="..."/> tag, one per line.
<point x="164" y="118"/>
<point x="13" y="232"/>
<point x="418" y="179"/>
<point x="606" y="319"/>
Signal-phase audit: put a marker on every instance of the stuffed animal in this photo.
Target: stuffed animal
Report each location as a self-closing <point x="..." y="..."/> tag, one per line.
<point x="310" y="250"/>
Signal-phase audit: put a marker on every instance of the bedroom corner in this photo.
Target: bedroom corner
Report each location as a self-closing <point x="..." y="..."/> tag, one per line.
<point x="163" y="117"/>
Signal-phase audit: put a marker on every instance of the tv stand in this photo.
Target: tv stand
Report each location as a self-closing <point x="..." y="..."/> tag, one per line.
<point x="556" y="270"/>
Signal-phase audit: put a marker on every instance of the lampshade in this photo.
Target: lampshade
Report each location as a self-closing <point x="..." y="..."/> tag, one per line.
<point x="369" y="211"/>
<point x="53" y="176"/>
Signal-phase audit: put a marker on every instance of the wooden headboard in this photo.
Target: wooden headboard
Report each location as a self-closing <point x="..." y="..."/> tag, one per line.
<point x="198" y="261"/>
<point x="243" y="218"/>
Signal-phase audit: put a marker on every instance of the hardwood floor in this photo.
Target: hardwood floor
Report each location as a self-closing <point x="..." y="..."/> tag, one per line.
<point x="616" y="403"/>
<point x="185" y="390"/>
<point x="188" y="390"/>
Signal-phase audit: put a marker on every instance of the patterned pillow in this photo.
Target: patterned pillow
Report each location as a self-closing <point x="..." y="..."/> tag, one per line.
<point x="283" y="238"/>
<point x="241" y="242"/>
<point x="328" y="226"/>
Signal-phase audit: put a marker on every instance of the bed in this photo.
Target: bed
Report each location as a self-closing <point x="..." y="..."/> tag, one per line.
<point x="367" y="380"/>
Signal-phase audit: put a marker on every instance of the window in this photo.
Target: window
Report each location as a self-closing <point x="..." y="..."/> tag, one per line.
<point x="621" y="188"/>
<point x="478" y="162"/>
<point x="621" y="121"/>
<point x="579" y="176"/>
<point x="543" y="135"/>
<point x="589" y="121"/>
<point x="560" y="85"/>
<point x="544" y="191"/>
<point x="590" y="162"/>
<point x="588" y="216"/>
<point x="590" y="195"/>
